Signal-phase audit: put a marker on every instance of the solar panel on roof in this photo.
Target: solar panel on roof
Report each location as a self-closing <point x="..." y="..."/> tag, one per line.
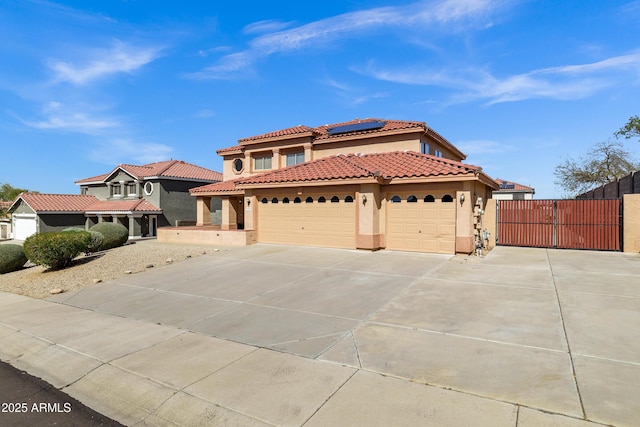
<point x="356" y="127"/>
<point x="507" y="186"/>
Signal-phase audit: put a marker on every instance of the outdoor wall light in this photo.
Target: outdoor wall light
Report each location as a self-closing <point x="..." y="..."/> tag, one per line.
<point x="364" y="199"/>
<point x="461" y="199"/>
<point x="248" y="202"/>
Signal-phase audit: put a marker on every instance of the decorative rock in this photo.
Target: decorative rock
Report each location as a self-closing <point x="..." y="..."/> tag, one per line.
<point x="204" y="252"/>
<point x="188" y="256"/>
<point x="148" y="266"/>
<point x="127" y="272"/>
<point x="97" y="280"/>
<point x="56" y="291"/>
<point x="216" y="250"/>
<point x="169" y="260"/>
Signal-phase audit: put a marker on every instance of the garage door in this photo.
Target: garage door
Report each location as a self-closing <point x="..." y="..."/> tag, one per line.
<point x="421" y="222"/>
<point x="311" y="219"/>
<point x="23" y="226"/>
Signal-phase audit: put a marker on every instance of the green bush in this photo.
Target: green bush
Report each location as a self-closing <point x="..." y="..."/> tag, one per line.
<point x="96" y="238"/>
<point x="56" y="250"/>
<point x="12" y="258"/>
<point x="114" y="234"/>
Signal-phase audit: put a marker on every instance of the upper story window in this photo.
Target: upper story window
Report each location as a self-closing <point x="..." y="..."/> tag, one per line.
<point x="424" y="148"/>
<point x="84" y="190"/>
<point x="295" y="158"/>
<point x="262" y="162"/>
<point x="117" y="190"/>
<point x="131" y="189"/>
<point x="438" y="153"/>
<point x="238" y="165"/>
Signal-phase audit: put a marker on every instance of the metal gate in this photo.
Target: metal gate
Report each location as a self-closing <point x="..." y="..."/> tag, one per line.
<point x="565" y="224"/>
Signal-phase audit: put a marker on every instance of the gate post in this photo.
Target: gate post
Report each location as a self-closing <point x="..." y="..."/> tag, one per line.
<point x="490" y="221"/>
<point x="631" y="223"/>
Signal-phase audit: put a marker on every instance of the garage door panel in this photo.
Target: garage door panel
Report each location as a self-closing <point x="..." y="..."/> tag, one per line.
<point x="421" y="226"/>
<point x="318" y="224"/>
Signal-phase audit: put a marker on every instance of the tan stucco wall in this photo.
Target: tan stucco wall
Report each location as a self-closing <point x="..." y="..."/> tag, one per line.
<point x="490" y="221"/>
<point x="631" y="226"/>
<point x="206" y="236"/>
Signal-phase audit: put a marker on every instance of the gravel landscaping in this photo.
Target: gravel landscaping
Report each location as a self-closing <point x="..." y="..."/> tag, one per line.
<point x="134" y="257"/>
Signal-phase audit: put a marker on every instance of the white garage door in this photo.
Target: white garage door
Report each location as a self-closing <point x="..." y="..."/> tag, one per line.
<point x="421" y="222"/>
<point x="311" y="219"/>
<point x="24" y="226"/>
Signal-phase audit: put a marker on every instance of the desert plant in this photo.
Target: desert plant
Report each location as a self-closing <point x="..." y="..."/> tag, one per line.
<point x="74" y="229"/>
<point x="12" y="258"/>
<point x="97" y="238"/>
<point x="114" y="234"/>
<point x="56" y="250"/>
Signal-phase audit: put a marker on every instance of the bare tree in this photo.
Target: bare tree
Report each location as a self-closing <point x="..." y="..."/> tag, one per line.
<point x="605" y="162"/>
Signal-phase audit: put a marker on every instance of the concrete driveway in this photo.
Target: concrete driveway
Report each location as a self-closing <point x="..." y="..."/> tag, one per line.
<point x="522" y="337"/>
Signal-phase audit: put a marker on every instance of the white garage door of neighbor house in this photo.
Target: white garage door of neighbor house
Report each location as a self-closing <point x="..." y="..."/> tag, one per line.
<point x="24" y="227"/>
<point x="311" y="219"/>
<point x="421" y="222"/>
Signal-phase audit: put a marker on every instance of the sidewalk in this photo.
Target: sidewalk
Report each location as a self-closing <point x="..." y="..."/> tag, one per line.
<point x="151" y="375"/>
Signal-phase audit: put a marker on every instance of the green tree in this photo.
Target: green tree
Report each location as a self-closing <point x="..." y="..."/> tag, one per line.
<point x="605" y="162"/>
<point x="8" y="194"/>
<point x="631" y="129"/>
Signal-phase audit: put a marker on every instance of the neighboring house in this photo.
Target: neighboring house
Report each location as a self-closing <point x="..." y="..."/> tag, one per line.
<point x="510" y="190"/>
<point x="142" y="198"/>
<point x="366" y="184"/>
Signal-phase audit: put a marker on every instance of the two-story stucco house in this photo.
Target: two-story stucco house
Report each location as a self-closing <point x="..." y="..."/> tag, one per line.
<point x="366" y="184"/>
<point x="140" y="197"/>
<point x="510" y="190"/>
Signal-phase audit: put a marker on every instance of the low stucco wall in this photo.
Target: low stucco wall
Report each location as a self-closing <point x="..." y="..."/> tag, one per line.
<point x="631" y="225"/>
<point x="489" y="221"/>
<point x="207" y="236"/>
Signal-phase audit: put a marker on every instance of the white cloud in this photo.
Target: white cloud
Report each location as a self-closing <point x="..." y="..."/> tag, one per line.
<point x="98" y="63"/>
<point x="562" y="82"/>
<point x="482" y="147"/>
<point x="265" y="27"/>
<point x="204" y="114"/>
<point x="127" y="151"/>
<point x="58" y="117"/>
<point x="449" y="15"/>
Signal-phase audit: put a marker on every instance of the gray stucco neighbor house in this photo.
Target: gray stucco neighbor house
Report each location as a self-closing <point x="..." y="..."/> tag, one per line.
<point x="140" y="197"/>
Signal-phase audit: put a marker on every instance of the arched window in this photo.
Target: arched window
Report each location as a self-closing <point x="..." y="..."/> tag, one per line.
<point x="395" y="199"/>
<point x="348" y="199"/>
<point x="264" y="200"/>
<point x="447" y="198"/>
<point x="335" y="199"/>
<point x="285" y="200"/>
<point x="274" y="200"/>
<point x="308" y="200"/>
<point x="429" y="198"/>
<point x="321" y="199"/>
<point x="297" y="200"/>
<point x="412" y="199"/>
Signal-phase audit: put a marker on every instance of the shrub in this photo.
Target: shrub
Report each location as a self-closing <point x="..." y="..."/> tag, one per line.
<point x="73" y="229"/>
<point x="56" y="250"/>
<point x="114" y="234"/>
<point x="12" y="258"/>
<point x="96" y="241"/>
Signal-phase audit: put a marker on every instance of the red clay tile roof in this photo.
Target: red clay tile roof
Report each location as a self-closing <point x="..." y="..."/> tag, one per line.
<point x="321" y="133"/>
<point x="218" y="187"/>
<point x="140" y="205"/>
<point x="56" y="202"/>
<point x="517" y="187"/>
<point x="169" y="168"/>
<point x="79" y="203"/>
<point x="296" y="130"/>
<point x="398" y="164"/>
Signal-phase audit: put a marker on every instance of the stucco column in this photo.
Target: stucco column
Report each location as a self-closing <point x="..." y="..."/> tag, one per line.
<point x="99" y="218"/>
<point x="110" y="188"/>
<point x="229" y="213"/>
<point x="203" y="210"/>
<point x="464" y="222"/>
<point x="138" y="189"/>
<point x="368" y="206"/>
<point x="276" y="159"/>
<point x="250" y="209"/>
<point x="308" y="154"/>
<point x="630" y="226"/>
<point x="132" y="230"/>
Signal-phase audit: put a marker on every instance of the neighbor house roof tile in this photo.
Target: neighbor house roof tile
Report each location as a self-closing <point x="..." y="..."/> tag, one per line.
<point x="516" y="186"/>
<point x="56" y="202"/>
<point x="139" y="205"/>
<point x="169" y="169"/>
<point x="218" y="187"/>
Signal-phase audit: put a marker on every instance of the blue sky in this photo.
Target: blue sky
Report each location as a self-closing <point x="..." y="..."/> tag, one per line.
<point x="518" y="86"/>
